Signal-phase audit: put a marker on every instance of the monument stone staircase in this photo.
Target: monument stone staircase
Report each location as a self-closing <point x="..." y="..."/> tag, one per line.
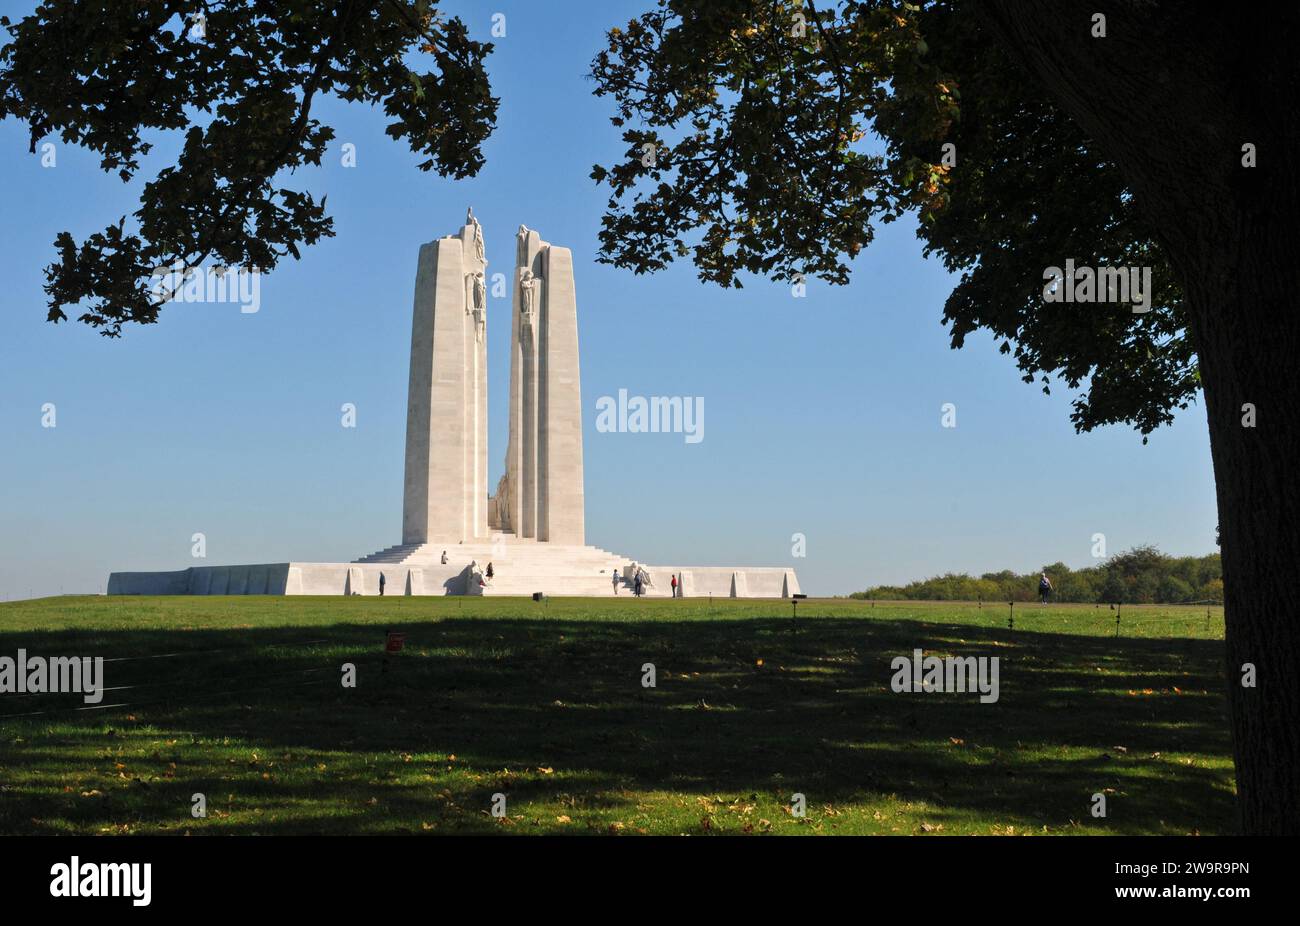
<point x="520" y="566"/>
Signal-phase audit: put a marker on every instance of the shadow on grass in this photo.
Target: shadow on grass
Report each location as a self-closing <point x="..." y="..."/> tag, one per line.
<point x="554" y="713"/>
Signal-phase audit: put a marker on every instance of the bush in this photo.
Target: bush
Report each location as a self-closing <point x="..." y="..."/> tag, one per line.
<point x="1174" y="590"/>
<point x="1140" y="575"/>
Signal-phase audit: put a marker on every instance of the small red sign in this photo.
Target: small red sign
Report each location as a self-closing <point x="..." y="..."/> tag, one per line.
<point x="396" y="641"/>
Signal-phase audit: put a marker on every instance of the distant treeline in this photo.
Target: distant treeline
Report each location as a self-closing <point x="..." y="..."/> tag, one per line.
<point x="1142" y="575"/>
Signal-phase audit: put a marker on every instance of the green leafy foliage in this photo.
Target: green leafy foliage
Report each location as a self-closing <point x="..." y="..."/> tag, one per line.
<point x="240" y="82"/>
<point x="759" y="115"/>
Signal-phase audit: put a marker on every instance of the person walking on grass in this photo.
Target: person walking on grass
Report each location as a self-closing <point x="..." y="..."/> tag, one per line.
<point x="381" y="585"/>
<point x="636" y="585"/>
<point x="1044" y="588"/>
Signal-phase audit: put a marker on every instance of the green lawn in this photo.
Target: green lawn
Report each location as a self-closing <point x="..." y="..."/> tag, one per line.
<point x="543" y="702"/>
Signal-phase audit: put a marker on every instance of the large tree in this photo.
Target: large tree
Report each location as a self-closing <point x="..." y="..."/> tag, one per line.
<point x="239" y="78"/>
<point x="1022" y="133"/>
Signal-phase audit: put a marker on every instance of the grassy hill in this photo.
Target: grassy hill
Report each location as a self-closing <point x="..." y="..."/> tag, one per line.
<point x="240" y="699"/>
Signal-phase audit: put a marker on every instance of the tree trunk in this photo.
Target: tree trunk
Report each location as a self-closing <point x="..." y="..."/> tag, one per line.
<point x="1171" y="94"/>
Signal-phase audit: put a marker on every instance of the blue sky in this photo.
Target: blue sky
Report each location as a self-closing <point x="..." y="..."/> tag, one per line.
<point x="822" y="414"/>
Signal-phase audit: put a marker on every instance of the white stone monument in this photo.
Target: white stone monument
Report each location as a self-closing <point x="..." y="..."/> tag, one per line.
<point x="532" y="531"/>
<point x="445" y="498"/>
<point x="541" y="491"/>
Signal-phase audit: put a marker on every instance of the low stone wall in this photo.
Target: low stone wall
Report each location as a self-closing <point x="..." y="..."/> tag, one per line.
<point x="149" y="583"/>
<point x="721" y="581"/>
<point x="434" y="579"/>
<point x="293" y="579"/>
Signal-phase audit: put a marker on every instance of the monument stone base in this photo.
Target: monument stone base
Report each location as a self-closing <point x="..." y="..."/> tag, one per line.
<point x="519" y="566"/>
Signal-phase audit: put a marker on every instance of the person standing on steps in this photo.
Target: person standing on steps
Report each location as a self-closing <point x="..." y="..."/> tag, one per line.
<point x="381" y="585"/>
<point x="444" y="557"/>
<point x="490" y="573"/>
<point x="674" y="584"/>
<point x="615" y="578"/>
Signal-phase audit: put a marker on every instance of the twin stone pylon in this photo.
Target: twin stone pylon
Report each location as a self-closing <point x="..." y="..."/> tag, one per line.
<point x="540" y="496"/>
